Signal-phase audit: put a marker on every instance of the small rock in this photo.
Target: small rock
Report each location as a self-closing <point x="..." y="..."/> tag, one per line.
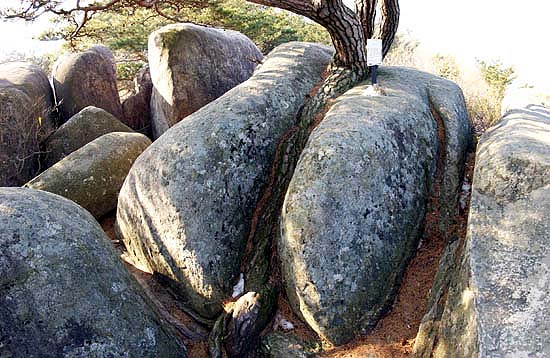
<point x="137" y="108"/>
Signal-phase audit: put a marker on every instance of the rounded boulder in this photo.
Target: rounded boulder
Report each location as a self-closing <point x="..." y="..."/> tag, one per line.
<point x="193" y="65"/>
<point x="86" y="79"/>
<point x="63" y="290"/>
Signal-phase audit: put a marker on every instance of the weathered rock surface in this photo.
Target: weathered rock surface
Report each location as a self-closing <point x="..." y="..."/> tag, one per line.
<point x="93" y="175"/>
<point x="63" y="290"/>
<point x="491" y="293"/>
<point x="193" y="65"/>
<point x="355" y="206"/>
<point x="86" y="79"/>
<point x="186" y="207"/>
<point x="26" y="100"/>
<point x="279" y="345"/>
<point x="137" y="108"/>
<point x="85" y="126"/>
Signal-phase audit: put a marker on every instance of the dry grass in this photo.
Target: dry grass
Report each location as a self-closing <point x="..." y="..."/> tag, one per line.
<point x="23" y="128"/>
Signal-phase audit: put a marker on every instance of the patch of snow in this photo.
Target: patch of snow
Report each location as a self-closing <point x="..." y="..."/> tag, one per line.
<point x="281" y="322"/>
<point x="239" y="287"/>
<point x="465" y="193"/>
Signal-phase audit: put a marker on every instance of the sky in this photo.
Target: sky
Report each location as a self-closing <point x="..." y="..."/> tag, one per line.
<point x="514" y="32"/>
<point x="511" y="31"/>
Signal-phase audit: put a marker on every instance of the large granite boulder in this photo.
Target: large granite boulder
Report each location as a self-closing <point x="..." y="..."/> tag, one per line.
<point x="93" y="175"/>
<point x="26" y="101"/>
<point x="63" y="290"/>
<point x="85" y="126"/>
<point x="185" y="209"/>
<point x="137" y="107"/>
<point x="193" y="65"/>
<point x="86" y="79"/>
<point x="490" y="297"/>
<point x="355" y="206"/>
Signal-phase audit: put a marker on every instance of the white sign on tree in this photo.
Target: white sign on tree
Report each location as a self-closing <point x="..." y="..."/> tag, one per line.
<point x="374" y="52"/>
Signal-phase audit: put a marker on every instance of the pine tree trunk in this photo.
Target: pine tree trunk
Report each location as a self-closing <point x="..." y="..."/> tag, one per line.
<point x="341" y="22"/>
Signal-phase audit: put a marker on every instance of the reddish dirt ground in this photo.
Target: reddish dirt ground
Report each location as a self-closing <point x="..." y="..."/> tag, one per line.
<point x="392" y="337"/>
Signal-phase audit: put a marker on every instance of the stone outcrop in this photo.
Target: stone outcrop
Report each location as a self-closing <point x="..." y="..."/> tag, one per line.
<point x="26" y="101"/>
<point x="93" y="175"/>
<point x="85" y="126"/>
<point x="185" y="209"/>
<point x="355" y="206"/>
<point x="137" y="108"/>
<point x="63" y="290"/>
<point x="86" y="79"/>
<point x="491" y="294"/>
<point x="193" y="65"/>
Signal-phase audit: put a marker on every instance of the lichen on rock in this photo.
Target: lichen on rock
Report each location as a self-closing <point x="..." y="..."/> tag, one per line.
<point x="93" y="175"/>
<point x="355" y="207"/>
<point x="185" y="209"/>
<point x="490" y="295"/>
<point x="63" y="290"/>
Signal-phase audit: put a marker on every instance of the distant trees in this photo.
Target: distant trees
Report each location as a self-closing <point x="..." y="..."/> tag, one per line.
<point x="126" y="30"/>
<point x="348" y="29"/>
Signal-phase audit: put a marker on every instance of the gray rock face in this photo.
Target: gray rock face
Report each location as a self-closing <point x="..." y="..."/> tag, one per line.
<point x="93" y="175"/>
<point x="26" y="100"/>
<point x="355" y="206"/>
<point x="278" y="345"/>
<point x="496" y="299"/>
<point x="137" y="108"/>
<point x="193" y="65"/>
<point x="85" y="126"/>
<point x="185" y="209"/>
<point x="63" y="290"/>
<point x="86" y="79"/>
